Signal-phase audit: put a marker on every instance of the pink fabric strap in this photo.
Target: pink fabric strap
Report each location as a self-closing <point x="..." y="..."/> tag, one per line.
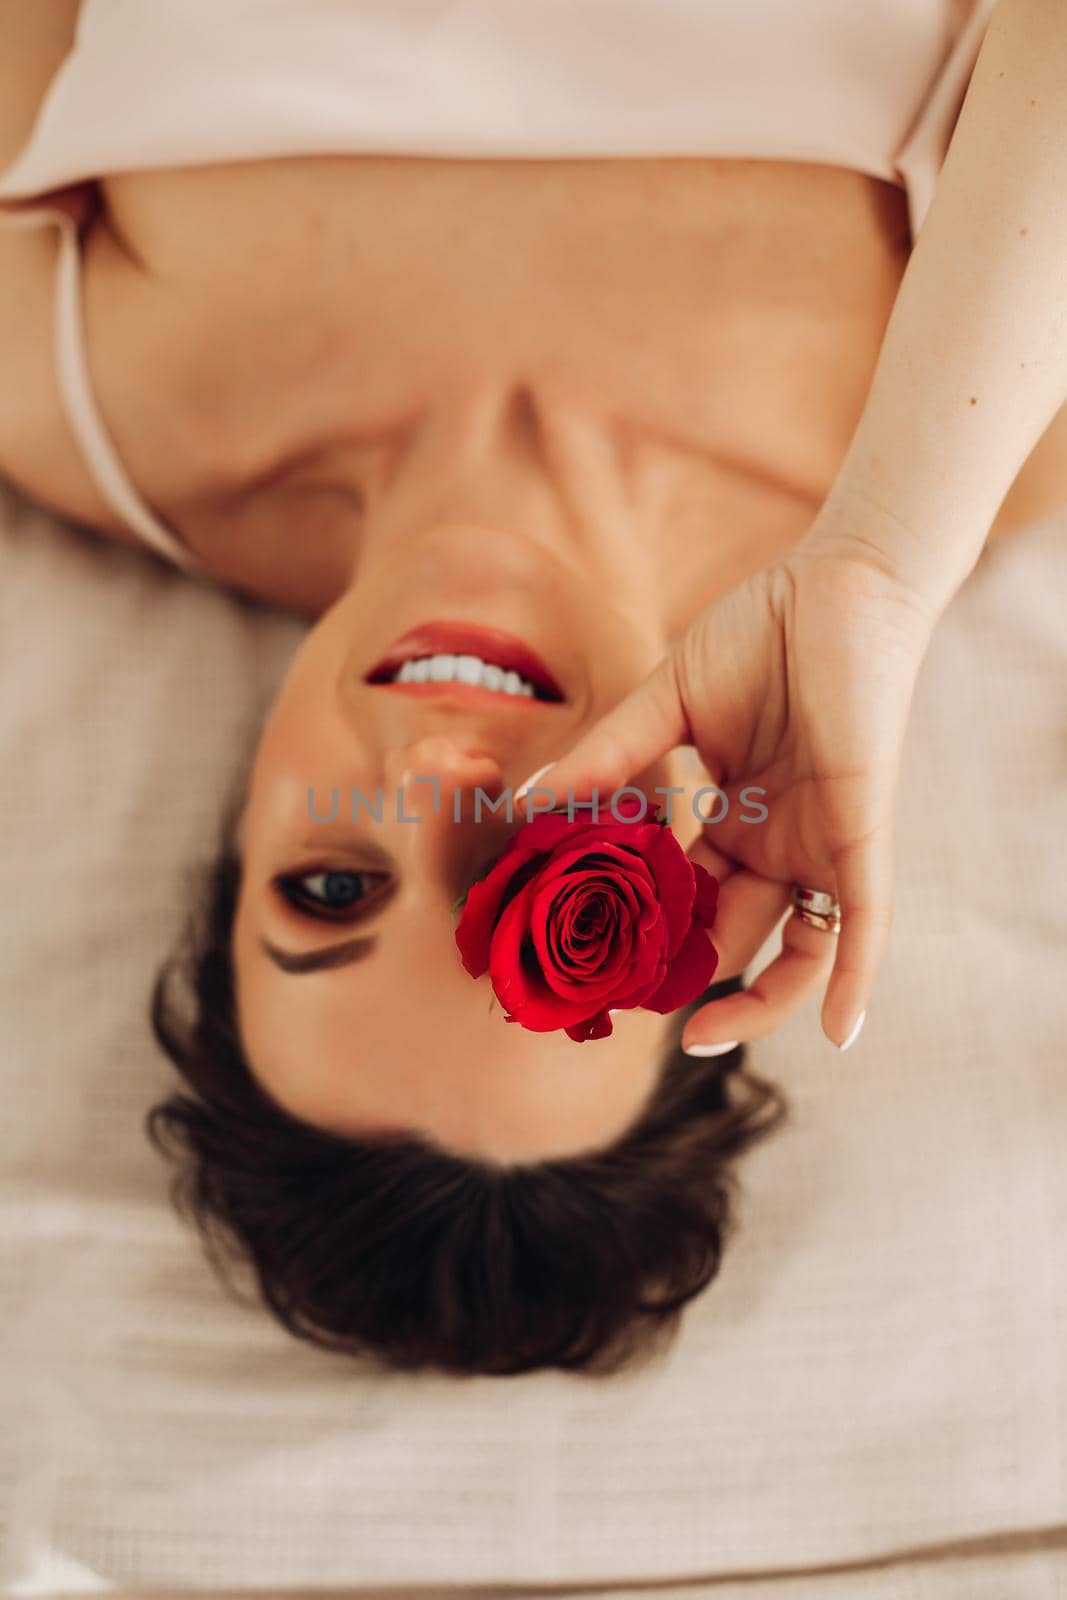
<point x="79" y="404"/>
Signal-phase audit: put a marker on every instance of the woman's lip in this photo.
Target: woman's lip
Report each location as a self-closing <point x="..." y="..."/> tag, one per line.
<point x="466" y="694"/>
<point x="467" y="639"/>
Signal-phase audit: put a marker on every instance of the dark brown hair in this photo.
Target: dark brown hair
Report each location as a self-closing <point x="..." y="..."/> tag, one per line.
<point x="394" y="1247"/>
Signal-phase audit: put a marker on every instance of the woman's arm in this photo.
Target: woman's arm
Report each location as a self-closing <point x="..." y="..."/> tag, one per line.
<point x="800" y="681"/>
<point x="973" y="367"/>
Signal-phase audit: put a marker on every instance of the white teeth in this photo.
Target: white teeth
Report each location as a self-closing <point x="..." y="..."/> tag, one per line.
<point x="468" y="669"/>
<point x="464" y="669"/>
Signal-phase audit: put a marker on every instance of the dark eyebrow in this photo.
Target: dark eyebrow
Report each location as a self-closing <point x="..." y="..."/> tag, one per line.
<point x="335" y="955"/>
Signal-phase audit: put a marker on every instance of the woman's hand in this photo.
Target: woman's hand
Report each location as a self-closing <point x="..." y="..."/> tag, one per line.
<point x="798" y="684"/>
<point x="799" y="681"/>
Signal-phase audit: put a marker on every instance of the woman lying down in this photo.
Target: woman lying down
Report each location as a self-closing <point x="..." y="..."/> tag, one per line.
<point x="594" y="395"/>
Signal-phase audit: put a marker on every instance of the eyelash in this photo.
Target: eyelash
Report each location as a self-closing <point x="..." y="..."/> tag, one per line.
<point x="292" y="888"/>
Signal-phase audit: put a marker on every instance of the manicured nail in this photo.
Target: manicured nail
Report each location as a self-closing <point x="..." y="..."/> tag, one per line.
<point x="711" y="1049"/>
<point x="854" y="1032"/>
<point x="532" y="779"/>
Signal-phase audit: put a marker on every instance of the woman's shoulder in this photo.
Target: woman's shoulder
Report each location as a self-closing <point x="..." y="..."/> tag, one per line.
<point x="35" y="452"/>
<point x="34" y="39"/>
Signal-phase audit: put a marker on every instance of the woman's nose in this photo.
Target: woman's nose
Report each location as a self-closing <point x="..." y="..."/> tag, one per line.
<point x="444" y="791"/>
<point x="434" y="775"/>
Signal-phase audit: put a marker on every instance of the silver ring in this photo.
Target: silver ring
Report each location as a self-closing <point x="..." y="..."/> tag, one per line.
<point x="817" y="908"/>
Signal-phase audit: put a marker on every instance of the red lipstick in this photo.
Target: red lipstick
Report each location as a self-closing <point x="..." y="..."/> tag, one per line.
<point x="466" y="639"/>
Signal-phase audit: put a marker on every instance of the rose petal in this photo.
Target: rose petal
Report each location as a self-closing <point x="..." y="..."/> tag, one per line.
<point x="687" y="975"/>
<point x="598" y="1027"/>
<point x="706" y="904"/>
<point x="598" y="977"/>
<point x="578" y="917"/>
<point x="518" y="981"/>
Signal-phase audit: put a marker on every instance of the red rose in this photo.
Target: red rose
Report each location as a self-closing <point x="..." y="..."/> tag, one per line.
<point x="578" y="918"/>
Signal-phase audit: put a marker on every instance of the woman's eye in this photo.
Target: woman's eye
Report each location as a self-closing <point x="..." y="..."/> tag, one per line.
<point x="332" y="893"/>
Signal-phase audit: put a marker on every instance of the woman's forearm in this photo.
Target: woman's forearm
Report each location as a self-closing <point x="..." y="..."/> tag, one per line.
<point x="973" y="366"/>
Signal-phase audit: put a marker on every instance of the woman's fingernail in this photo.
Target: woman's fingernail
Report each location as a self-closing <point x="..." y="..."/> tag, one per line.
<point x="532" y="779"/>
<point x="711" y="1049"/>
<point x="854" y="1032"/>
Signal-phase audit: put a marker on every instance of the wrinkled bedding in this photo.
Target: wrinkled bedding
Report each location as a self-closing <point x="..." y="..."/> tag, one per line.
<point x="881" y="1366"/>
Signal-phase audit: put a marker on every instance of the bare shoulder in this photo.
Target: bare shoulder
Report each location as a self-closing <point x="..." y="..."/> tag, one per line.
<point x="34" y="39"/>
<point x="35" y="450"/>
<point x="35" y="35"/>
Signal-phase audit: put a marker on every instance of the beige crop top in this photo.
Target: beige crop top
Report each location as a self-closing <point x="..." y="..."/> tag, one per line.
<point x="874" y="86"/>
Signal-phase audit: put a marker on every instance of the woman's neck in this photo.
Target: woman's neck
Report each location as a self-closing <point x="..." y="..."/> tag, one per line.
<point x="325" y="325"/>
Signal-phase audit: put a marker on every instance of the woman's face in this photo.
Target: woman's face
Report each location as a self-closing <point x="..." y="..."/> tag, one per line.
<point x="355" y="1011"/>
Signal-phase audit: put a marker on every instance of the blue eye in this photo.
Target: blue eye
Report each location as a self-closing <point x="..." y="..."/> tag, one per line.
<point x="331" y="893"/>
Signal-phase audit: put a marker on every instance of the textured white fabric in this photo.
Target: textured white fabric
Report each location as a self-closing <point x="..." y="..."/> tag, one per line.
<point x="181" y="82"/>
<point x="880" y="1366"/>
<point x="983" y="1573"/>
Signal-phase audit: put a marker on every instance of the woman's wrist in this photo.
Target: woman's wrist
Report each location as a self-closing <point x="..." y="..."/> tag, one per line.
<point x="921" y="563"/>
